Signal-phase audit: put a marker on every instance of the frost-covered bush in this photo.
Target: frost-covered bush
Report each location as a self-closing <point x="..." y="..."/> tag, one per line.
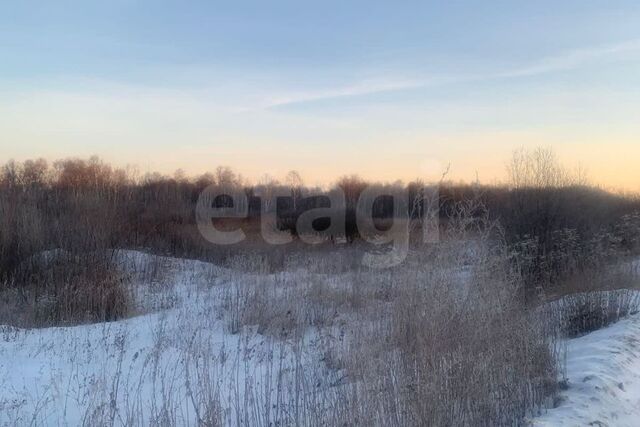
<point x="567" y="253"/>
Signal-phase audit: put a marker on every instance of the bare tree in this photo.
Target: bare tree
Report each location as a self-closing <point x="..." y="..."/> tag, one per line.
<point x="538" y="168"/>
<point x="269" y="184"/>
<point x="11" y="172"/>
<point x="295" y="183"/>
<point x="226" y="177"/>
<point x="34" y="172"/>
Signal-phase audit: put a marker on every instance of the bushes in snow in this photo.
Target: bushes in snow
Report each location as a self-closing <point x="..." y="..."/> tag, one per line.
<point x="57" y="241"/>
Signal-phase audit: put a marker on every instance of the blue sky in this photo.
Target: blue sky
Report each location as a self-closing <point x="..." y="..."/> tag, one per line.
<point x="377" y="88"/>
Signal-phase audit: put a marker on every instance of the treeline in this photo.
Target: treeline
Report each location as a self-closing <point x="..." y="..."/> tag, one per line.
<point x="555" y="223"/>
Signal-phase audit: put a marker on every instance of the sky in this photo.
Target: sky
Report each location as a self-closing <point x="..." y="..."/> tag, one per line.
<point x="387" y="90"/>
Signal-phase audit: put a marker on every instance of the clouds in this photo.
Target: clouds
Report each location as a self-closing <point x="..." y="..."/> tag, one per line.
<point x="577" y="58"/>
<point x="360" y="88"/>
<point x="564" y="61"/>
<point x="220" y="97"/>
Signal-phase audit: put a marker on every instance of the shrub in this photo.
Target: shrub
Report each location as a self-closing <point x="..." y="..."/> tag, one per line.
<point x="590" y="311"/>
<point x="68" y="289"/>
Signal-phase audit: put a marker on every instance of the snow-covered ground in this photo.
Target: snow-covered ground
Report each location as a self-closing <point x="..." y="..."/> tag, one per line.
<point x="177" y="362"/>
<point x="181" y="360"/>
<point x="603" y="372"/>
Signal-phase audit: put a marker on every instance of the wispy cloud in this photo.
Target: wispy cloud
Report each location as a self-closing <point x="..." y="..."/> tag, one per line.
<point x="225" y="94"/>
<point x="362" y="88"/>
<point x="566" y="61"/>
<point x="574" y="59"/>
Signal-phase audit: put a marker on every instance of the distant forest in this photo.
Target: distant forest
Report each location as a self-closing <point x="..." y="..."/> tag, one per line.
<point x="555" y="222"/>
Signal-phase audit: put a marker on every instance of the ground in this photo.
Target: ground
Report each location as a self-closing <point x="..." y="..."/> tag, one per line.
<point x="183" y="359"/>
<point x="603" y="379"/>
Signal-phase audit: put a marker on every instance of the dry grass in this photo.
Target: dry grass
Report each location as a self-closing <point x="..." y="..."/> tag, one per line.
<point x="67" y="290"/>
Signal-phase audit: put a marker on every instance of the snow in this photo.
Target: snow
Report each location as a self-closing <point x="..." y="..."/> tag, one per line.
<point x="176" y="356"/>
<point x="603" y="372"/>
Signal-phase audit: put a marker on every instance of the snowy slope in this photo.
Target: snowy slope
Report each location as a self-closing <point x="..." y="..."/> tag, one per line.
<point x="163" y="366"/>
<point x="603" y="370"/>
